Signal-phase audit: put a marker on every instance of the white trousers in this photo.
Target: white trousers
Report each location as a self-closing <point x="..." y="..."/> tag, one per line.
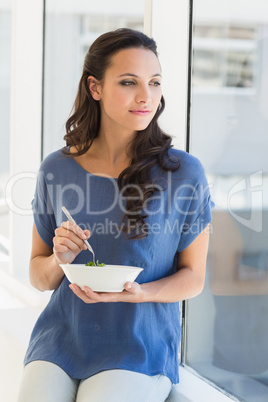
<point x="46" y="382"/>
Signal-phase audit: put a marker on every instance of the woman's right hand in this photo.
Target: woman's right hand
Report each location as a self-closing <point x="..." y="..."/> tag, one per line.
<point x="68" y="242"/>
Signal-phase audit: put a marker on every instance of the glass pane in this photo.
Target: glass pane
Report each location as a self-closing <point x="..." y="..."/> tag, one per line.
<point x="225" y="55"/>
<point x="241" y="32"/>
<point x="227" y="325"/>
<point x="207" y="69"/>
<point x="208" y="31"/>
<point x="5" y="62"/>
<point x="240" y="69"/>
<point x="70" y="30"/>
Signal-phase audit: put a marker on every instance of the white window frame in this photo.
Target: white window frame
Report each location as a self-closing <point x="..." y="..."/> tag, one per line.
<point x="167" y="22"/>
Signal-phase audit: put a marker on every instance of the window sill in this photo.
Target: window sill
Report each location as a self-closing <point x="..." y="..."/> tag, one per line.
<point x="193" y="388"/>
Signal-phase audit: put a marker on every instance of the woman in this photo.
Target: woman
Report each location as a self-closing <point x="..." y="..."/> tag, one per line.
<point x="141" y="203"/>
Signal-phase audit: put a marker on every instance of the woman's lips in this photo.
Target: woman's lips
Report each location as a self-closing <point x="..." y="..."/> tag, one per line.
<point x="141" y="112"/>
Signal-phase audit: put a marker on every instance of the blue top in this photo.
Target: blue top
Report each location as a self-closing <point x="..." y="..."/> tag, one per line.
<point x="83" y="338"/>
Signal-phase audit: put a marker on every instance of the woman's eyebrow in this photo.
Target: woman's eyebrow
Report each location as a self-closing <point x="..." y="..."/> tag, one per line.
<point x="136" y="76"/>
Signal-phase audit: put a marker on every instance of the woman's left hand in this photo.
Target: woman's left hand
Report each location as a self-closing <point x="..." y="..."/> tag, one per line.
<point x="131" y="294"/>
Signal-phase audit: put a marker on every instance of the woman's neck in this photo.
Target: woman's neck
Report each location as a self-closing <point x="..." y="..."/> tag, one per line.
<point x="113" y="148"/>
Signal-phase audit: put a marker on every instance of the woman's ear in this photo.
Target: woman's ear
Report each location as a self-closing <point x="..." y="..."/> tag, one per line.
<point x="94" y="87"/>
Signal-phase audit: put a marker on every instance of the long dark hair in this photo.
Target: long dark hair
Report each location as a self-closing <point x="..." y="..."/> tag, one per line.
<point x="151" y="145"/>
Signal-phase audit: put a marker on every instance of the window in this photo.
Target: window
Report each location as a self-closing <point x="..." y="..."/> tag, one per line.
<point x="225" y="55"/>
<point x="227" y="325"/>
<point x="69" y="31"/>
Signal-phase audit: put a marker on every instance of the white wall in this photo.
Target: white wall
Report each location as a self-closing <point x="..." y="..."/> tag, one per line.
<point x="25" y="123"/>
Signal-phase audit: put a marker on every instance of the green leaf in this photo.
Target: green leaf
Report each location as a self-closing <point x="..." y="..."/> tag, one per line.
<point x="91" y="264"/>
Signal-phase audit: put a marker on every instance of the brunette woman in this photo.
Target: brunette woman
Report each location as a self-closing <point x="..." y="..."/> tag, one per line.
<point x="143" y="204"/>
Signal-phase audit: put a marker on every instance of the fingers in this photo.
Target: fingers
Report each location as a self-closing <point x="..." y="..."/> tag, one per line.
<point x="69" y="226"/>
<point x="128" y="286"/>
<point x="87" y="295"/>
<point x="63" y="244"/>
<point x="70" y="236"/>
<point x="130" y="294"/>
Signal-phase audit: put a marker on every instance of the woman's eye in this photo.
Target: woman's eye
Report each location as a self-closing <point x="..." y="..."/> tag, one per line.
<point x="155" y="83"/>
<point x="127" y="83"/>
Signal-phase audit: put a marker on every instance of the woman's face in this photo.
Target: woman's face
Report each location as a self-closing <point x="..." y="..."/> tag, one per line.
<point x="130" y="92"/>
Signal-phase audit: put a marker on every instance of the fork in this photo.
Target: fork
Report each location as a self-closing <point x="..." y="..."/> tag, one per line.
<point x="69" y="216"/>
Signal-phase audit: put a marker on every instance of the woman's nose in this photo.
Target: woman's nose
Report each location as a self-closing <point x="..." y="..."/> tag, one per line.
<point x="143" y="95"/>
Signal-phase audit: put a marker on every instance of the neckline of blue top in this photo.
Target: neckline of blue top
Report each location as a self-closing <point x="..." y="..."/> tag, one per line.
<point x="91" y="174"/>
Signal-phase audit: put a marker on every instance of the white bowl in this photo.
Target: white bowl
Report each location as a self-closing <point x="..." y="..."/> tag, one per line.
<point x="110" y="278"/>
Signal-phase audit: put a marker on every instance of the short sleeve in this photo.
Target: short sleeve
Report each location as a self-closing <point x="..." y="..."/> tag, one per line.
<point x="44" y="218"/>
<point x="198" y="214"/>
